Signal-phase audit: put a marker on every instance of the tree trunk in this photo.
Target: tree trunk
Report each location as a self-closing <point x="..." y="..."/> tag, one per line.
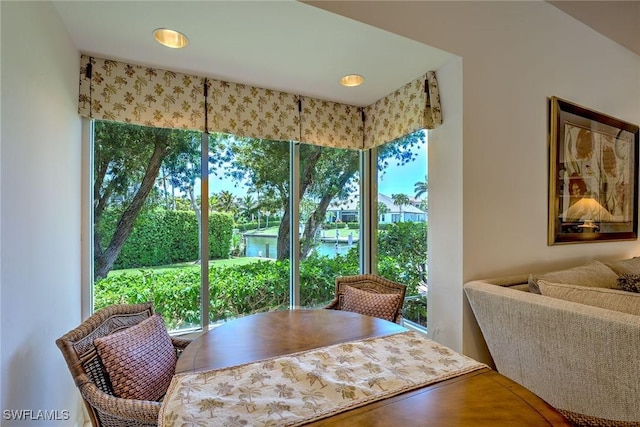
<point x="311" y="226"/>
<point x="104" y="261"/>
<point x="283" y="246"/>
<point x="315" y="219"/>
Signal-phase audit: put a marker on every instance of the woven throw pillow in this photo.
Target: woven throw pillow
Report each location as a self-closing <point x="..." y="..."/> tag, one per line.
<point x="373" y="304"/>
<point x="139" y="360"/>
<point x="629" y="282"/>
<point x="593" y="273"/>
<point x="611" y="299"/>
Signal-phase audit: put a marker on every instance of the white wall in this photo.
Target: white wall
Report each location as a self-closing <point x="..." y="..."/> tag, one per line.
<point x="40" y="210"/>
<point x="488" y="163"/>
<point x="513" y="56"/>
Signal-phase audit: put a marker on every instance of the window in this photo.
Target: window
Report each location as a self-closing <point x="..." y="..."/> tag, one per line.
<point x="402" y="243"/>
<point x="157" y="239"/>
<point x="249" y="182"/>
<point x="145" y="220"/>
<point x="329" y="226"/>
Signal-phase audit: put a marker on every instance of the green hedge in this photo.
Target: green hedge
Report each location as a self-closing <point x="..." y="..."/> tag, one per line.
<point x="234" y="291"/>
<point x="334" y="225"/>
<point x="164" y="237"/>
<point x="264" y="285"/>
<point x="247" y="226"/>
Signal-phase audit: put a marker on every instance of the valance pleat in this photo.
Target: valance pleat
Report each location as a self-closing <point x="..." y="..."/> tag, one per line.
<point x="397" y="114"/>
<point x="253" y="112"/>
<point x="433" y="112"/>
<point x="331" y="124"/>
<point x="113" y="90"/>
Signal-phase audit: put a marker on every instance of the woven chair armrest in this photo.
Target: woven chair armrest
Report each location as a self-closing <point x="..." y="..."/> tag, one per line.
<point x="333" y="304"/>
<point x="180" y="343"/>
<point x="143" y="411"/>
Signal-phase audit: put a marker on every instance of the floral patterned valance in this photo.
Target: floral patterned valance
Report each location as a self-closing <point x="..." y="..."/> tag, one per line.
<point x="112" y="90"/>
<point x="251" y="111"/>
<point x="414" y="106"/>
<point x="331" y="124"/>
<point x="432" y="112"/>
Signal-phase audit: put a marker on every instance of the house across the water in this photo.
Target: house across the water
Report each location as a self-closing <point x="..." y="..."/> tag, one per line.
<point x="348" y="211"/>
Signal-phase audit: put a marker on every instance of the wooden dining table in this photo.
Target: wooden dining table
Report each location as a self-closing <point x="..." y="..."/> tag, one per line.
<point x="479" y="398"/>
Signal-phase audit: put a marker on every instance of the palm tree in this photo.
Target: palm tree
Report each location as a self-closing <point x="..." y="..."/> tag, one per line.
<point x="226" y="202"/>
<point x="400" y="200"/>
<point x="421" y="187"/>
<point x="247" y="206"/>
<point x="210" y="405"/>
<point x="214" y="203"/>
<point x="278" y="408"/>
<point x="247" y="394"/>
<point x="382" y="209"/>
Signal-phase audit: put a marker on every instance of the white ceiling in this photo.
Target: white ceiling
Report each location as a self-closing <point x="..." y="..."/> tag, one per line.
<point x="282" y="45"/>
<point x="286" y="45"/>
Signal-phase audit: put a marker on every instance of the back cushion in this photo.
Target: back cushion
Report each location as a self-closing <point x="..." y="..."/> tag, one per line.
<point x="592" y="274"/>
<point x="611" y="299"/>
<point x="139" y="360"/>
<point x="373" y="304"/>
<point x="625" y="266"/>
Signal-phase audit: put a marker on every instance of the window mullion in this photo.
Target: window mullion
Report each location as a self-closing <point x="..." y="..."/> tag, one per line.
<point x="368" y="211"/>
<point x="204" y="231"/>
<point x="87" y="306"/>
<point x="294" y="227"/>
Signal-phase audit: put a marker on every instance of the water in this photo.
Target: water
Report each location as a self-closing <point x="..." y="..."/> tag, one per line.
<point x="266" y="247"/>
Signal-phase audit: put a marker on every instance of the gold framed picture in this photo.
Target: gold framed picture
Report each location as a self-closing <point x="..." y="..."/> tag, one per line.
<point x="593" y="175"/>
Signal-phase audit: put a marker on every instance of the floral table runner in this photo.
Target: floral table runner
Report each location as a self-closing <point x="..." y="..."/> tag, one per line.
<point x="299" y="388"/>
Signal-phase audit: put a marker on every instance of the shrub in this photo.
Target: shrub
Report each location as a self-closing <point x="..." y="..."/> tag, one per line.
<point x="163" y="237"/>
<point x="240" y="290"/>
<point x="234" y="291"/>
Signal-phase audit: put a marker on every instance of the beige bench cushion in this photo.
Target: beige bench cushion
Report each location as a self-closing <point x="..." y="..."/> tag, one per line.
<point x="611" y="299"/>
<point x="592" y="274"/>
<point x="625" y="266"/>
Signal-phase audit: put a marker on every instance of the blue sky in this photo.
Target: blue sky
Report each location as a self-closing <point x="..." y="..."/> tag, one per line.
<point x="402" y="179"/>
<point x="396" y="179"/>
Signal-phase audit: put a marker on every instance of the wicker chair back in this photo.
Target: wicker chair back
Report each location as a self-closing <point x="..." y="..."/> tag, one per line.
<point x="369" y="283"/>
<point x="105" y="409"/>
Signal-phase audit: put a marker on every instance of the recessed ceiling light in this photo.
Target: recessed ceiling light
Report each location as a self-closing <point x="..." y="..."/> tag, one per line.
<point x="352" y="80"/>
<point x="170" y="38"/>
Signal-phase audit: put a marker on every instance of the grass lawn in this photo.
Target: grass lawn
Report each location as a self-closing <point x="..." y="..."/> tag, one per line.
<point x="187" y="265"/>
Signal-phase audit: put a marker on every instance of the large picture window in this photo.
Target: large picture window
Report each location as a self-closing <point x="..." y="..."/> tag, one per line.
<point x="279" y="222"/>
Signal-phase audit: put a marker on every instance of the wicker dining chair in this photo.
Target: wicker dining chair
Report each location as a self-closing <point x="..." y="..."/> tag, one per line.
<point x="83" y="360"/>
<point x="371" y="284"/>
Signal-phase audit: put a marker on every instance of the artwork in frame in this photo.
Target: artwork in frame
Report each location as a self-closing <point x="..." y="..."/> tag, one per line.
<point x="593" y="175"/>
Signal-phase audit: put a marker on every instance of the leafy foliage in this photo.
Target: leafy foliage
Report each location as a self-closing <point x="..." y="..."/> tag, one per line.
<point x="402" y="253"/>
<point x="162" y="237"/>
<point x="127" y="161"/>
<point x="234" y="291"/>
<point x="327" y="175"/>
<point x="264" y="285"/>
